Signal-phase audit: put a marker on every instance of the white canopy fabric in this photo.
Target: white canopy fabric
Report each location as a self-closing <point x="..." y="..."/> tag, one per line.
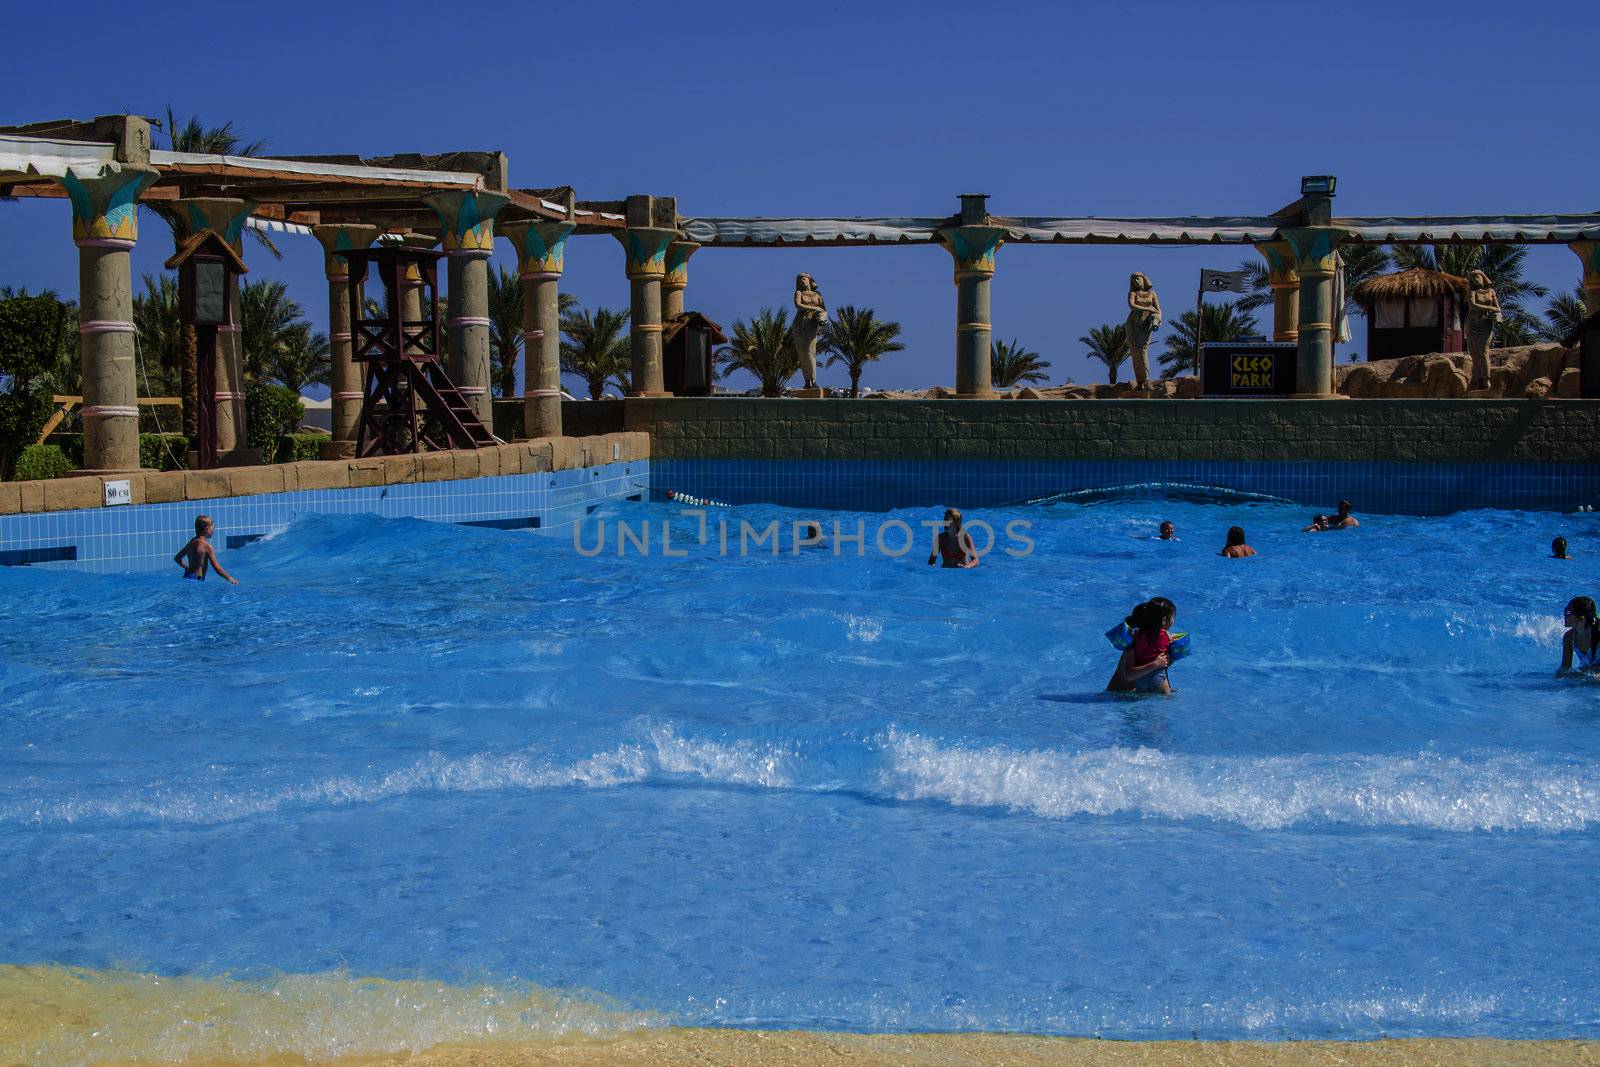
<point x="46" y="157"/>
<point x="1174" y="230"/>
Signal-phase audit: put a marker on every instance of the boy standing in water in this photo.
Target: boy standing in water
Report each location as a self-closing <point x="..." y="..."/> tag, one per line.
<point x="198" y="554"/>
<point x="1558" y="548"/>
<point x="953" y="543"/>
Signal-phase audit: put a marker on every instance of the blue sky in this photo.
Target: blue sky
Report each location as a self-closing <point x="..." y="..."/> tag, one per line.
<point x="864" y="109"/>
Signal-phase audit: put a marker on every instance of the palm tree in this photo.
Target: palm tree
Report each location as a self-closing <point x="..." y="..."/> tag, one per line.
<point x="66" y="376"/>
<point x="224" y="140"/>
<point x="1563" y="316"/>
<point x="301" y="359"/>
<point x="1360" y="263"/>
<point x="158" y="330"/>
<point x="1010" y="364"/>
<point x="762" y="347"/>
<point x="267" y="318"/>
<point x="596" y="348"/>
<point x="855" y="338"/>
<point x="505" y="327"/>
<point x="1222" y="322"/>
<point x="1503" y="263"/>
<point x="1108" y="344"/>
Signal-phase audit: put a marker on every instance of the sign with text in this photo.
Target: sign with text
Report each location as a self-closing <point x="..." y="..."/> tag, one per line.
<point x="119" y="492"/>
<point x="1247" y="368"/>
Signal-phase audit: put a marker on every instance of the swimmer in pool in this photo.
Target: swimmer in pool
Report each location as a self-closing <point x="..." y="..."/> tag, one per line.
<point x="1580" y="645"/>
<point x="953" y="545"/>
<point x="1318" y="525"/>
<point x="1236" y="548"/>
<point x="1343" y="520"/>
<point x="198" y="554"/>
<point x="1558" y="548"/>
<point x="1167" y="532"/>
<point x="1144" y="663"/>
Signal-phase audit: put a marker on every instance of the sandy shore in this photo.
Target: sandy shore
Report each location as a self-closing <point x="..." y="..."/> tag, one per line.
<point x="735" y="1048"/>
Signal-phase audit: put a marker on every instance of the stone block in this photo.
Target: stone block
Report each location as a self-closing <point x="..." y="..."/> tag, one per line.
<point x="164" y="487"/>
<point x="1569" y="384"/>
<point x="205" y="485"/>
<point x="10" y="498"/>
<point x="538" y="457"/>
<point x="489" y="462"/>
<point x="64" y="494"/>
<point x="322" y="474"/>
<point x="436" y="466"/>
<point x="465" y="463"/>
<point x="32" y="495"/>
<point x="252" y="481"/>
<point x="336" y="450"/>
<point x="398" y="470"/>
<point x="365" y="472"/>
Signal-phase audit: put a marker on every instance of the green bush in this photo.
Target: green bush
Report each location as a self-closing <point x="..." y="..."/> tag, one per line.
<point x="163" y="451"/>
<point x="42" y="461"/>
<point x="71" y="444"/>
<point x="294" y="447"/>
<point x="271" y="411"/>
<point x="32" y="332"/>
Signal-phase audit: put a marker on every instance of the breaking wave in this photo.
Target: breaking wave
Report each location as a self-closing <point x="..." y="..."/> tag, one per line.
<point x="1450" y="793"/>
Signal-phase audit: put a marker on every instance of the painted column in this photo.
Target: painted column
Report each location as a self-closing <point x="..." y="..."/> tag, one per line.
<point x="646" y="249"/>
<point x="346" y="374"/>
<point x="676" y="280"/>
<point x="410" y="295"/>
<point x="1315" y="250"/>
<point x="1588" y="252"/>
<point x="541" y="253"/>
<point x="105" y="225"/>
<point x="973" y="248"/>
<point x="1285" y="284"/>
<point x="468" y="219"/>
<point x="226" y="218"/>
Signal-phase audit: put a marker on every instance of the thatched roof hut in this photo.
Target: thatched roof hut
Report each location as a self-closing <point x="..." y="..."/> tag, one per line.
<point x="1414" y="284"/>
<point x="1412" y="312"/>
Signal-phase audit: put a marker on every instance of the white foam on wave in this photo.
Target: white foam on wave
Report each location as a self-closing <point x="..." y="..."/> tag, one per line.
<point x="1261" y="793"/>
<point x="663" y="753"/>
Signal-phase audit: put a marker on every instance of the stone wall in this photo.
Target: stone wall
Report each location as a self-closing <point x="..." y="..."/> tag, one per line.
<point x="1538" y="431"/>
<point x="521" y="457"/>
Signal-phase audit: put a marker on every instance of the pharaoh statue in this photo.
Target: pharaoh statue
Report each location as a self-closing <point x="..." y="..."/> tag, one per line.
<point x="809" y="315"/>
<point x="1483" y="311"/>
<point x="1144" y="317"/>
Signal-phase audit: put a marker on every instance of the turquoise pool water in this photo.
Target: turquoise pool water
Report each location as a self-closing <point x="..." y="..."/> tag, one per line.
<point x="818" y="791"/>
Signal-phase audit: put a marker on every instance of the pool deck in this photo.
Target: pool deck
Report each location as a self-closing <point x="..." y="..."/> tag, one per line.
<point x="799" y="1048"/>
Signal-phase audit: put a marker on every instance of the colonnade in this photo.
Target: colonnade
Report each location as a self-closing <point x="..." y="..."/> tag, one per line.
<point x="1301" y="268"/>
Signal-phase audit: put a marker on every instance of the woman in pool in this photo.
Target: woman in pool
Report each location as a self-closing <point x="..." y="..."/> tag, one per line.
<point x="1236" y="548"/>
<point x="1580" y="645"/>
<point x="1144" y="663"/>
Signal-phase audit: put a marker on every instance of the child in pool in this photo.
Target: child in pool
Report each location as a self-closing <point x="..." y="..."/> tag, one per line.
<point x="1144" y="663"/>
<point x="1236" y="548"/>
<point x="195" y="556"/>
<point x="1318" y="525"/>
<point x="1580" y="645"/>
<point x="953" y="545"/>
<point x="1558" y="548"/>
<point x="1167" y="532"/>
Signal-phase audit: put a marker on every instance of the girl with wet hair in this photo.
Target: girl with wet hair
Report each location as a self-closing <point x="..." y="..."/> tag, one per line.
<point x="1580" y="645"/>
<point x="1236" y="548"/>
<point x="1144" y="662"/>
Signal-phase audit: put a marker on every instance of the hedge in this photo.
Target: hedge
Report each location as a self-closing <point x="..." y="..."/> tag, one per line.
<point x="163" y="451"/>
<point x="293" y="447"/>
<point x="270" y="411"/>
<point x="42" y="461"/>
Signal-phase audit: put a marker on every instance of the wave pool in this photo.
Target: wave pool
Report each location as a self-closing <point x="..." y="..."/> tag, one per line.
<point x="413" y="783"/>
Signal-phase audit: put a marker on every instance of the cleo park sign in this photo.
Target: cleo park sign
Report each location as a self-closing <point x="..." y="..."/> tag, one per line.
<point x="1247" y="368"/>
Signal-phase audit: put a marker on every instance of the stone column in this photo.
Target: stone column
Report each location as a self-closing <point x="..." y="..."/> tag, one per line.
<point x="676" y="280"/>
<point x="346" y="373"/>
<point x="226" y="218"/>
<point x="410" y="294"/>
<point x="1315" y="250"/>
<point x="541" y="253"/>
<point x="1285" y="284"/>
<point x="973" y="248"/>
<point x="1588" y="252"/>
<point x="105" y="225"/>
<point x="468" y="219"/>
<point x="646" y="249"/>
